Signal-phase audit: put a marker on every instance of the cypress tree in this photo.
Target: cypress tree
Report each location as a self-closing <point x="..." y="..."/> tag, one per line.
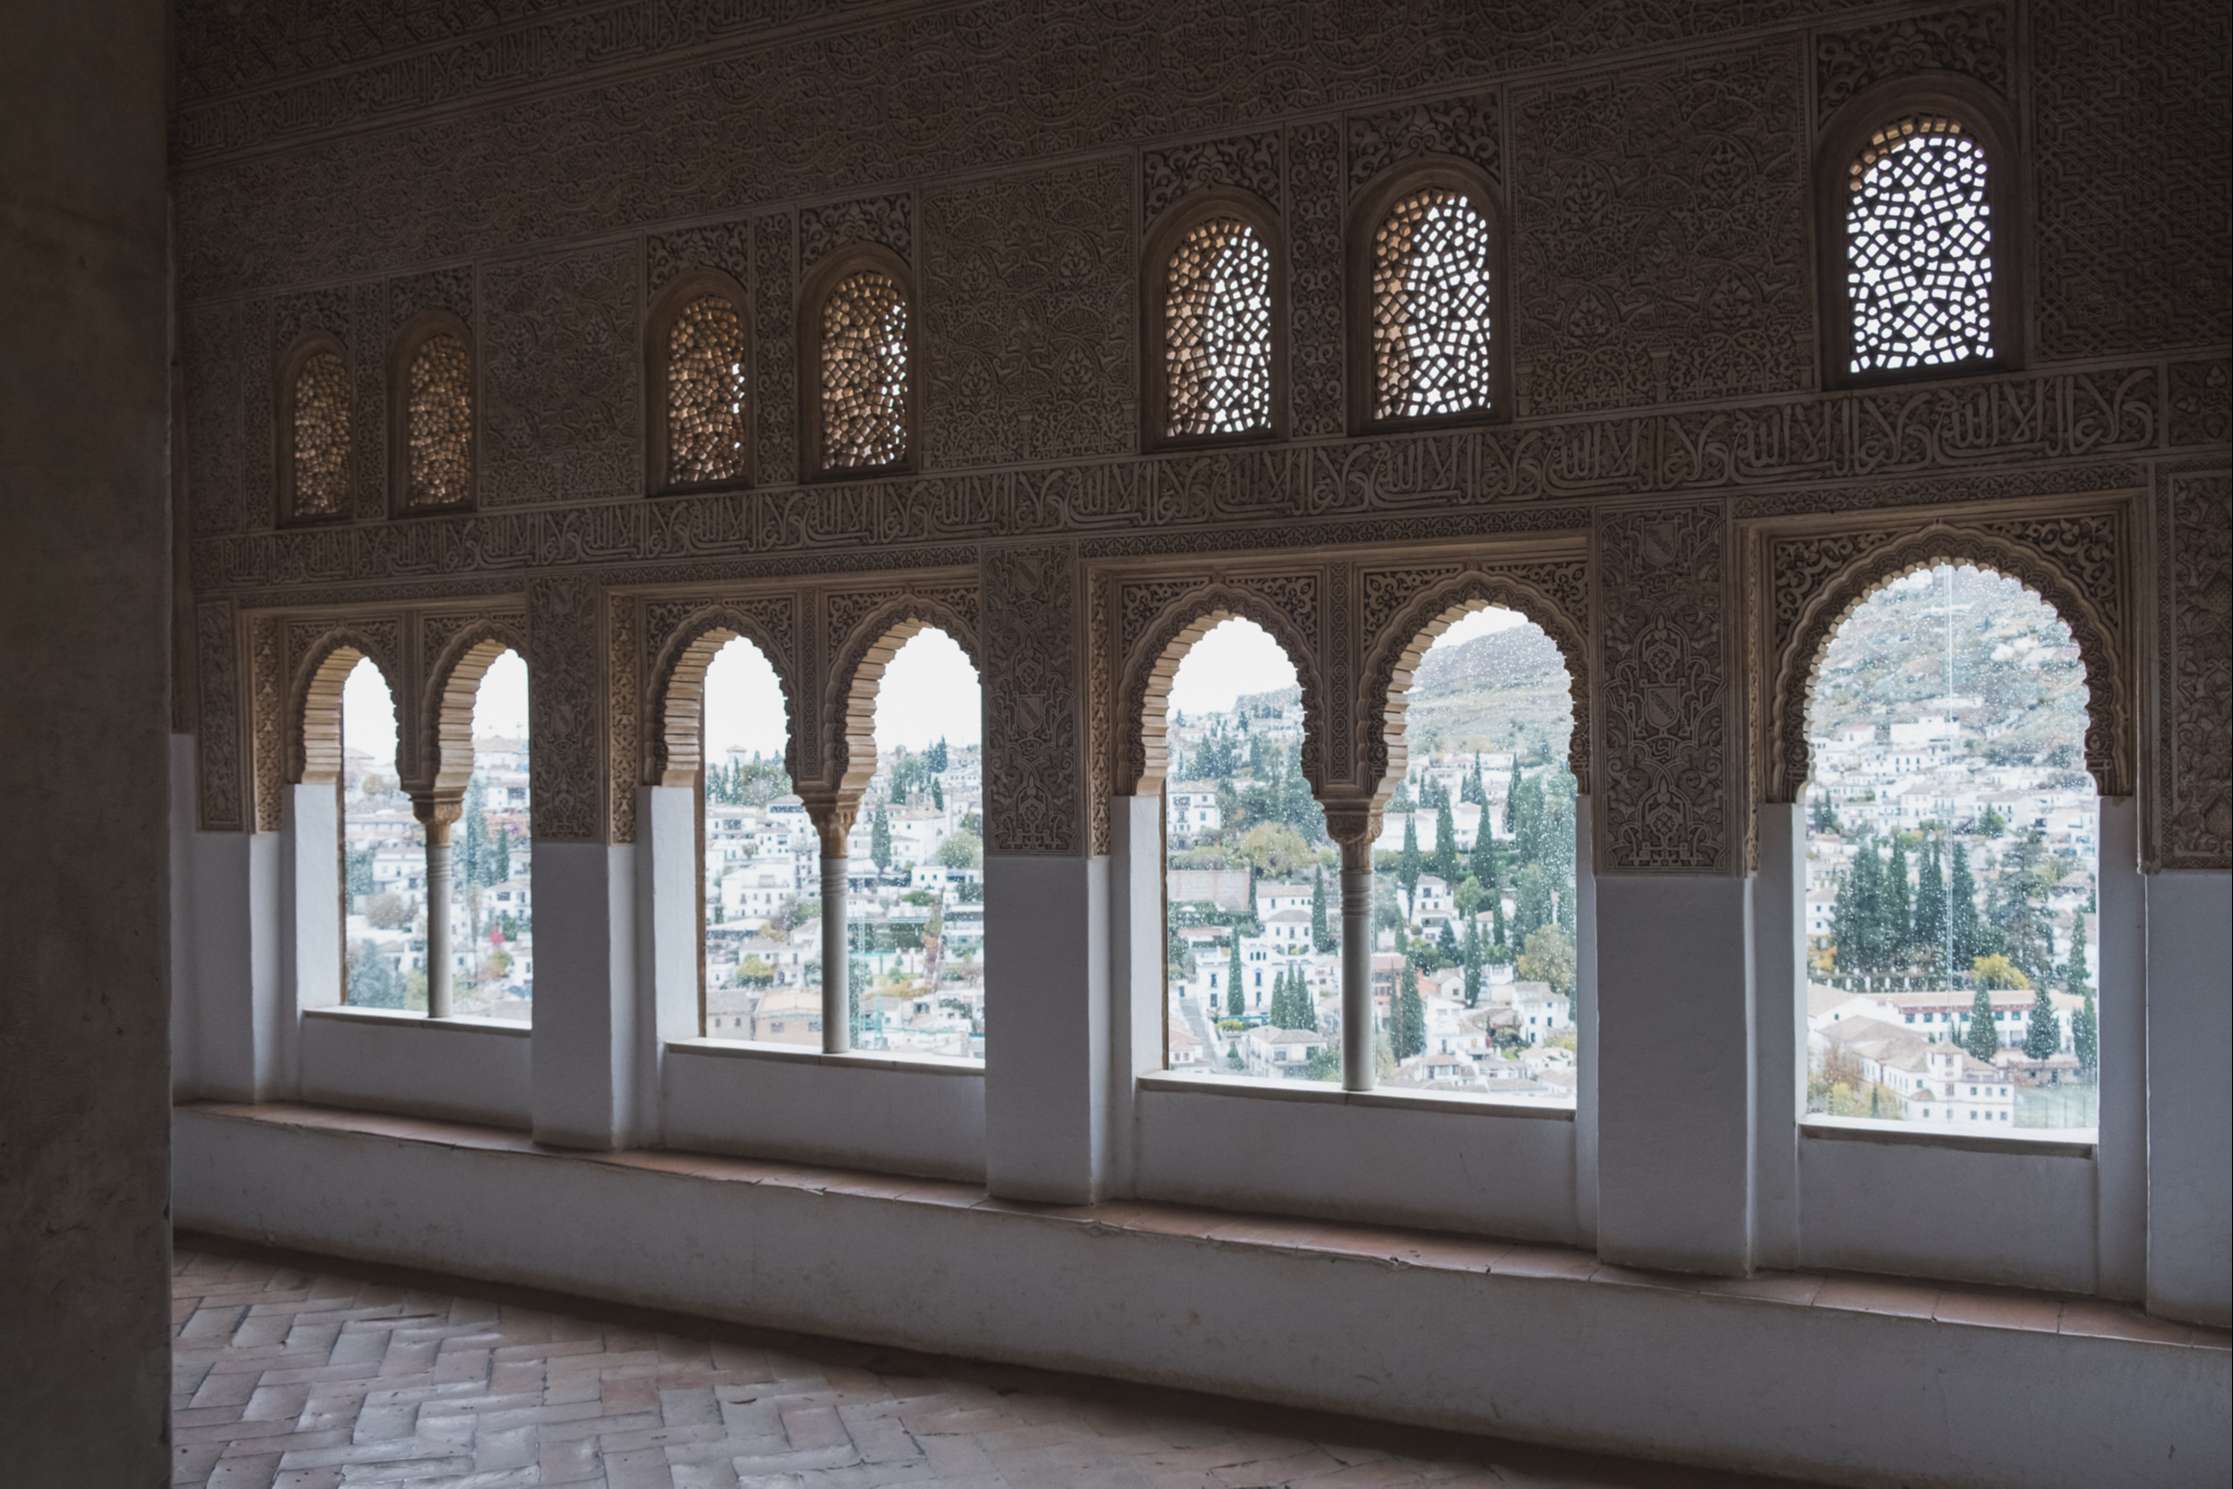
<point x="1930" y="910"/>
<point x="1899" y="920"/>
<point x="1236" y="1003"/>
<point x="1488" y="859"/>
<point x="880" y="838"/>
<point x="2020" y="907"/>
<point x="1445" y="842"/>
<point x="1321" y="939"/>
<point x="1411" y="1016"/>
<point x="2075" y="978"/>
<point x="2085" y="1038"/>
<point x="1962" y="925"/>
<point x="1407" y="864"/>
<point x="2043" y="1035"/>
<point x="1980" y="1038"/>
<point x="1472" y="962"/>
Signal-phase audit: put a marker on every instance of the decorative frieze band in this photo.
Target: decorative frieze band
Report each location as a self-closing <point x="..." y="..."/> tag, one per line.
<point x="1916" y="431"/>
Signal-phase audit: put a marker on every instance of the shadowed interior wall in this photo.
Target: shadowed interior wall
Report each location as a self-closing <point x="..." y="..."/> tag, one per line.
<point x="84" y="593"/>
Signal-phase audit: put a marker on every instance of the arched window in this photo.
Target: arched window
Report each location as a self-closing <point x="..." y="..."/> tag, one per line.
<point x="760" y="930"/>
<point x="1251" y="881"/>
<point x="1951" y="922"/>
<point x="491" y="910"/>
<point x="1475" y="871"/>
<point x="861" y="342"/>
<point x="1427" y="275"/>
<point x="915" y="894"/>
<point x="432" y="463"/>
<point x="383" y="853"/>
<point x="314" y="431"/>
<point x="1919" y="237"/>
<point x="1214" y="319"/>
<point x="697" y="359"/>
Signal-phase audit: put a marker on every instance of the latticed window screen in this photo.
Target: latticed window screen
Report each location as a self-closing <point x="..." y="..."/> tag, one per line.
<point x="438" y="424"/>
<point x="864" y="372"/>
<point x="321" y="436"/>
<point x="1431" y="307"/>
<point x="705" y="393"/>
<point x="1919" y="248"/>
<point x="1217" y="331"/>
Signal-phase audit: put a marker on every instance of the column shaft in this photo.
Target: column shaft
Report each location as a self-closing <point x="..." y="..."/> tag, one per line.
<point x="837" y="999"/>
<point x="1356" y="977"/>
<point x="438" y="919"/>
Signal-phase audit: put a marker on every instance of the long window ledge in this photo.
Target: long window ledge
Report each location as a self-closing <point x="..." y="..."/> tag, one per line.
<point x="743" y="1049"/>
<point x="1907" y="1135"/>
<point x="1333" y="1095"/>
<point x="1921" y="1302"/>
<point x="405" y="1018"/>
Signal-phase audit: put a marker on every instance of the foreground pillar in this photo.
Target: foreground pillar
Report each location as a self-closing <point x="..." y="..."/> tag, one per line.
<point x="437" y="816"/>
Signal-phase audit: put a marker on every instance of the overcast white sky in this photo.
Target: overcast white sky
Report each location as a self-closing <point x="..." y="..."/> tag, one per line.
<point x="1239" y="656"/>
<point x="929" y="692"/>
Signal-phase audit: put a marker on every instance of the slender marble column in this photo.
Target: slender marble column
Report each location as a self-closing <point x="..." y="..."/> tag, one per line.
<point x="837" y="1002"/>
<point x="437" y="917"/>
<point x="1356" y="965"/>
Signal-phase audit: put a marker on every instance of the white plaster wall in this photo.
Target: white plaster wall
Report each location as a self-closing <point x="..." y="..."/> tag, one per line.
<point x="471" y="1070"/>
<point x="1046" y="1026"/>
<point x="2016" y="1220"/>
<point x="2190" y="1096"/>
<point x="1675" y="1071"/>
<point x="1439" y="1169"/>
<point x="235" y="963"/>
<point x="587" y="1020"/>
<point x="857" y="1111"/>
<point x="1852" y="1397"/>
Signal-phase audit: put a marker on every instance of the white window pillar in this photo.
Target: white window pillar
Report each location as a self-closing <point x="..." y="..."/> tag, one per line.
<point x="1357" y="1072"/>
<point x="1046" y="1026"/>
<point x="586" y="1018"/>
<point x="311" y="928"/>
<point x="1137" y="932"/>
<point x="833" y="823"/>
<point x="1779" y="910"/>
<point x="667" y="914"/>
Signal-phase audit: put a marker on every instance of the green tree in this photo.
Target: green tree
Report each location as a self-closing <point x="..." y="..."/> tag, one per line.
<point x="880" y="839"/>
<point x="2019" y="905"/>
<point x="1233" y="1060"/>
<point x="1531" y="901"/>
<point x="359" y="873"/>
<point x="503" y="855"/>
<point x="1896" y="910"/>
<point x="473" y="850"/>
<point x="962" y="850"/>
<point x="1548" y="958"/>
<point x="373" y="981"/>
<point x="1445" y="842"/>
<point x="1411" y="1015"/>
<point x="1488" y="858"/>
<point x="936" y="756"/>
<point x="2085" y="1038"/>
<point x="1472" y="955"/>
<point x="1930" y="910"/>
<point x="1963" y="929"/>
<point x="1980" y="1038"/>
<point x="1236" y="1002"/>
<point x="1321" y="936"/>
<point x="2043" y="1030"/>
<point x="1408" y="866"/>
<point x="1821" y="815"/>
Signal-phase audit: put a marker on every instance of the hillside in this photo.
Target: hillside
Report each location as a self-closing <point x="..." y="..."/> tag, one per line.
<point x="1503" y="691"/>
<point x="2008" y="650"/>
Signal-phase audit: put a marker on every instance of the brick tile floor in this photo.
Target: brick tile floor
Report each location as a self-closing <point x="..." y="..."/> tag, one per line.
<point x="301" y="1373"/>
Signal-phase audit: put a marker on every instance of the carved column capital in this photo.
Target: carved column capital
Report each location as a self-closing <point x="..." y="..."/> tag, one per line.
<point x="438" y="812"/>
<point x="832" y="817"/>
<point x="1354" y="824"/>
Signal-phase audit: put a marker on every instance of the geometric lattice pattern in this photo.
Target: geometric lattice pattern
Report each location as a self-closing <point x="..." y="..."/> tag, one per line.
<point x="1919" y="248"/>
<point x="1430" y="307"/>
<point x="438" y="427"/>
<point x="705" y="393"/>
<point x="1217" y="331"/>
<point x="864" y="372"/>
<point x="321" y="436"/>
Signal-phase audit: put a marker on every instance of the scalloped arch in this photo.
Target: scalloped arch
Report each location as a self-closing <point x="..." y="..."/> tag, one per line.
<point x="453" y="683"/>
<point x="1404" y="643"/>
<point x="1155" y="662"/>
<point x="677" y="691"/>
<point x="314" y="748"/>
<point x="849" y="712"/>
<point x="2108" y="714"/>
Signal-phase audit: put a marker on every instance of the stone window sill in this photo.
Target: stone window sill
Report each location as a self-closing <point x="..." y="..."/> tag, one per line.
<point x="739" y="1049"/>
<point x="1904" y="1135"/>
<point x="405" y="1019"/>
<point x="1209" y="1083"/>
